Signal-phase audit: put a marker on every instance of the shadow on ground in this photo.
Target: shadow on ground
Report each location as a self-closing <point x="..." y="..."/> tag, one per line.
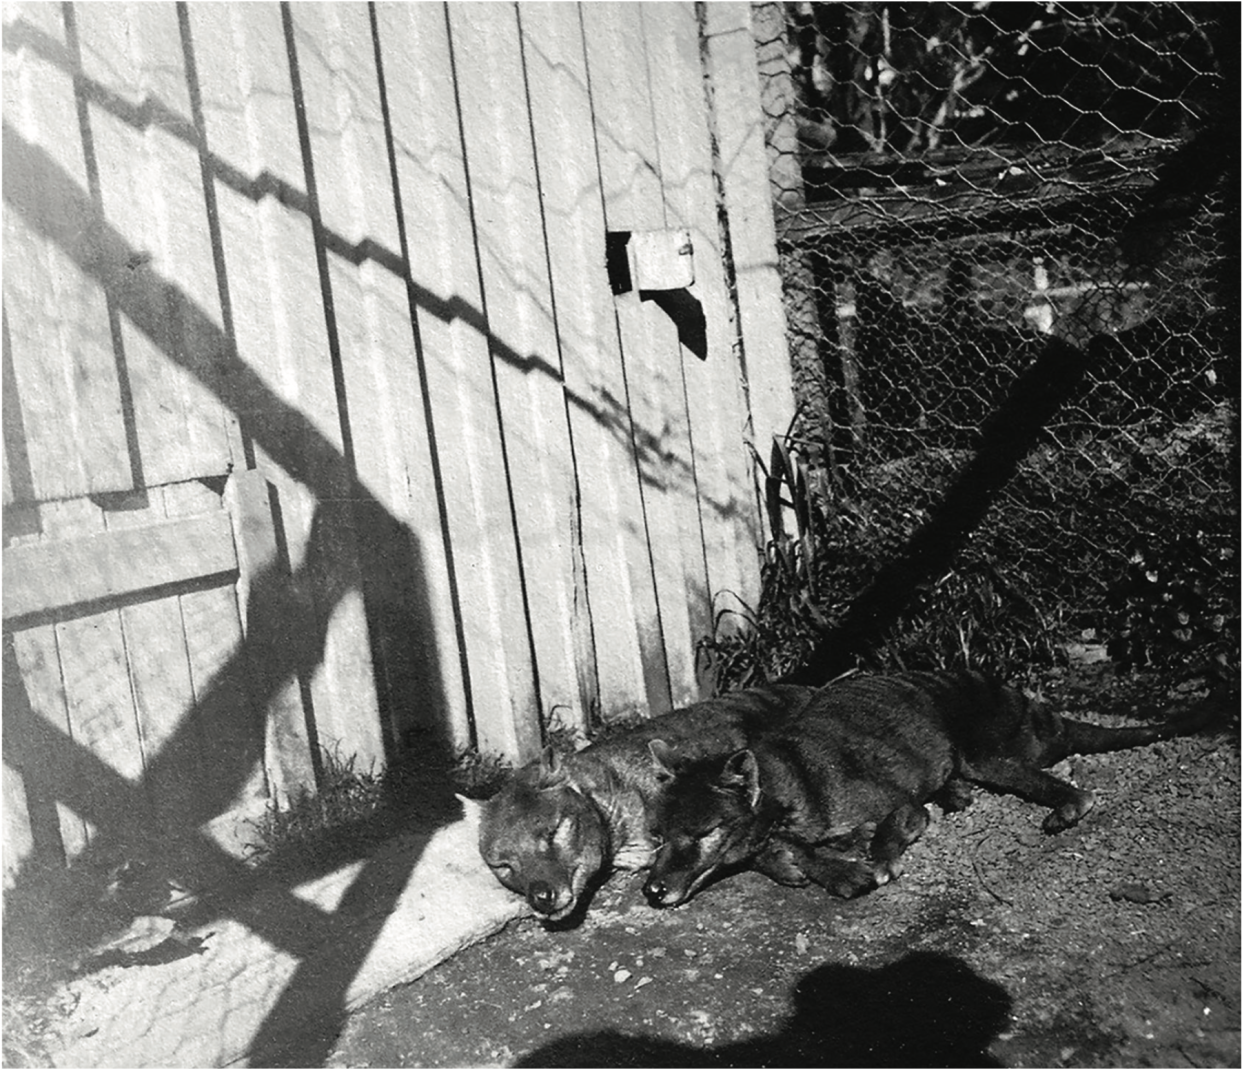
<point x="927" y="1009"/>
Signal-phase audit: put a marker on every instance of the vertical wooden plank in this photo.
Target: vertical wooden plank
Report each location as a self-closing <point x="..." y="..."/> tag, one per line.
<point x="513" y="262"/>
<point x="733" y="70"/>
<point x="18" y="486"/>
<point x="101" y="712"/>
<point x="6" y="495"/>
<point x="633" y="200"/>
<point x="155" y="647"/>
<point x="615" y="597"/>
<point x="224" y="717"/>
<point x="347" y="706"/>
<point x="454" y="348"/>
<point x="99" y="698"/>
<point x="723" y="467"/>
<point x="90" y="672"/>
<point x="287" y="761"/>
<point x="152" y="197"/>
<point x="402" y="545"/>
<point x="800" y="291"/>
<point x="18" y="836"/>
<point x="281" y="332"/>
<point x="36" y="666"/>
<point x="65" y="374"/>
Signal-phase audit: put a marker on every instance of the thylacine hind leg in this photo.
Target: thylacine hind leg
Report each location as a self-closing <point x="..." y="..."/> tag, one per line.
<point x="1069" y="804"/>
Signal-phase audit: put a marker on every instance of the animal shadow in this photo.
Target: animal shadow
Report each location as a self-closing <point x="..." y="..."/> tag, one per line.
<point x="926" y="1009"/>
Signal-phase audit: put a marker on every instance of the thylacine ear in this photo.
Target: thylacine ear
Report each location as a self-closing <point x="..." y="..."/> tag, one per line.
<point x="741" y="774"/>
<point x="662" y="758"/>
<point x="552" y="772"/>
<point x="474" y="808"/>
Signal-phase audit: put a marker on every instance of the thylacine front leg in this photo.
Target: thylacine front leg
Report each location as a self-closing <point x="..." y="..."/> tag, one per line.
<point x="865" y="857"/>
<point x="893" y="835"/>
<point x="781" y="862"/>
<point x="796" y="864"/>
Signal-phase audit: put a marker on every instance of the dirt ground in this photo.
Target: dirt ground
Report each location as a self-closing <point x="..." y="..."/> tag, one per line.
<point x="1113" y="944"/>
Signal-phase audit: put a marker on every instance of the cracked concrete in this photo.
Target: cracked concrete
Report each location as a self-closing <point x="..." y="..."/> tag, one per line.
<point x="243" y="1000"/>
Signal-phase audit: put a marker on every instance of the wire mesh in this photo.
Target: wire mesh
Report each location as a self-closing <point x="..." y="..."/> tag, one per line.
<point x="956" y="184"/>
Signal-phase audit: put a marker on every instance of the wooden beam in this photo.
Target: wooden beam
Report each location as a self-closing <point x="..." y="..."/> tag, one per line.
<point x="44" y="576"/>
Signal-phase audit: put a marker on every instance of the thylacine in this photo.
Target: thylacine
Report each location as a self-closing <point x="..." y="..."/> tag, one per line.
<point x="561" y="821"/>
<point x="835" y="793"/>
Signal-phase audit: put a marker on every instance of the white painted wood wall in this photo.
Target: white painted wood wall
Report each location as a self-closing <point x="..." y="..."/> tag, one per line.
<point x="337" y="271"/>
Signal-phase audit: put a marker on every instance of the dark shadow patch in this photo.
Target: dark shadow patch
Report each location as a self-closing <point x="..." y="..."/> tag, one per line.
<point x="686" y="312"/>
<point x="926" y="1009"/>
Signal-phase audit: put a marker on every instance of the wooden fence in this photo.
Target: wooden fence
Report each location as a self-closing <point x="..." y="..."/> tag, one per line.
<point x="329" y="420"/>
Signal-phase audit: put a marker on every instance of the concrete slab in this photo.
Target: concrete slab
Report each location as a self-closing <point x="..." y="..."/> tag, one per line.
<point x="285" y="961"/>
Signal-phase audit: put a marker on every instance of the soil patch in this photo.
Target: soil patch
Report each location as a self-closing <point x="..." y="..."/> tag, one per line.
<point x="1113" y="944"/>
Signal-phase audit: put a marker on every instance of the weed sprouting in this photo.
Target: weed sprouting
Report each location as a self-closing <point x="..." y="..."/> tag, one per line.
<point x="825" y="547"/>
<point x="354" y="809"/>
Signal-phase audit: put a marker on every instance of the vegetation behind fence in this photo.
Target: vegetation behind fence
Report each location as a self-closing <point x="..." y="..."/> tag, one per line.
<point x="957" y="187"/>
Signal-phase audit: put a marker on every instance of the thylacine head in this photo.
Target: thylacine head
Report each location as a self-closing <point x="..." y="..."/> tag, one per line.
<point x="543" y="837"/>
<point x="710" y="818"/>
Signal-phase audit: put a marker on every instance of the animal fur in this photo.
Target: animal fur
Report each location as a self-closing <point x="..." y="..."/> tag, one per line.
<point x="562" y="821"/>
<point x="837" y="792"/>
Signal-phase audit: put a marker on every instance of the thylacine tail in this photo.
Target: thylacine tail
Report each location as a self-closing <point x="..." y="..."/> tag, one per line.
<point x="1080" y="737"/>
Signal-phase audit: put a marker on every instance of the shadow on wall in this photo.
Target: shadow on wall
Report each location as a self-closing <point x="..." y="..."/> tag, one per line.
<point x="924" y="1010"/>
<point x="290" y="608"/>
<point x="285" y="637"/>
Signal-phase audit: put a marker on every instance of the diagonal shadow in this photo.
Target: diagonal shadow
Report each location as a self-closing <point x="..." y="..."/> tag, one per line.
<point x="31" y="180"/>
<point x="80" y="779"/>
<point x="291" y="638"/>
<point x="655" y="461"/>
<point x="285" y="638"/>
<point x="279" y="623"/>
<point x="1006" y="437"/>
<point x="295" y="1032"/>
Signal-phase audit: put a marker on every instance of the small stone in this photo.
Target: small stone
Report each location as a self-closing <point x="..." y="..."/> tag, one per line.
<point x="1137" y="893"/>
<point x="621" y="976"/>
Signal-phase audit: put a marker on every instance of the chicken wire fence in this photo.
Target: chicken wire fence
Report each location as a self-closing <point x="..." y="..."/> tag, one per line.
<point x="958" y="185"/>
